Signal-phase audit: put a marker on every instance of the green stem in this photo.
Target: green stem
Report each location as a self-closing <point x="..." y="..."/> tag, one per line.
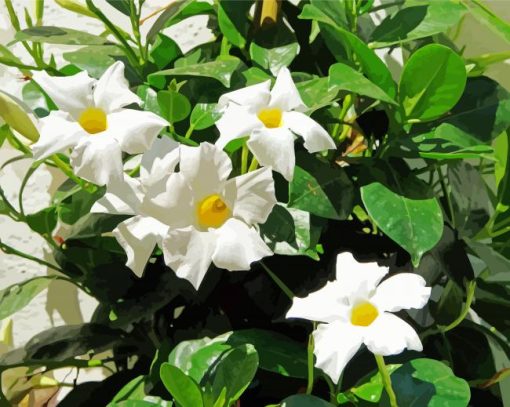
<point x="253" y="165"/>
<point x="244" y="159"/>
<point x="135" y="25"/>
<point x="11" y="250"/>
<point x="286" y="290"/>
<point x="386" y="380"/>
<point x="346" y="104"/>
<point x="467" y="306"/>
<point x="310" y="348"/>
<point x="66" y="169"/>
<point x="14" y="214"/>
<point x="188" y="134"/>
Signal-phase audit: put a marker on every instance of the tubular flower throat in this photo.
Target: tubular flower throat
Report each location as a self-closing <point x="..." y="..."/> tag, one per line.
<point x="363" y="314"/>
<point x="212" y="212"/>
<point x="272" y="118"/>
<point x="93" y="120"/>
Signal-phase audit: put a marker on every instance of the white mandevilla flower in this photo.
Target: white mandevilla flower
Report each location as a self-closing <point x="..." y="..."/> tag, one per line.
<point x="270" y="118"/>
<point x="197" y="215"/>
<point x="355" y="309"/>
<point x="93" y="121"/>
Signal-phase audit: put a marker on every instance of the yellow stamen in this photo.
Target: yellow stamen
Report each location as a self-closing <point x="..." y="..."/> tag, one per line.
<point x="272" y="118"/>
<point x="93" y="120"/>
<point x="212" y="212"/>
<point x="363" y="314"/>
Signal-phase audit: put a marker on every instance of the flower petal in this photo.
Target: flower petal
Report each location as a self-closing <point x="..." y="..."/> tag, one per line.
<point x="238" y="245"/>
<point x="205" y="168"/>
<point x="274" y="148"/>
<point x="323" y="305"/>
<point x="189" y="253"/>
<point x="284" y="94"/>
<point x="316" y="138"/>
<point x="335" y="345"/>
<point x="390" y="335"/>
<point x="255" y="95"/>
<point x="57" y="133"/>
<point x="401" y="291"/>
<point x="236" y="122"/>
<point x="72" y="94"/>
<point x="358" y="280"/>
<point x="252" y="195"/>
<point x="98" y="159"/>
<point x="122" y="198"/>
<point x="135" y="130"/>
<point x="112" y="89"/>
<point x="138" y="236"/>
<point x="163" y="149"/>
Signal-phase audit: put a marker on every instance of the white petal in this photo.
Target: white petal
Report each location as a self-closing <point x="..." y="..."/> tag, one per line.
<point x="98" y="159"/>
<point x="205" y="168"/>
<point x="189" y="253"/>
<point x="138" y="236"/>
<point x="159" y="151"/>
<point x="255" y="95"/>
<point x="160" y="167"/>
<point x="324" y="305"/>
<point x="58" y="132"/>
<point x="72" y="94"/>
<point x="238" y="245"/>
<point x="236" y="122"/>
<point x="335" y="345"/>
<point x="274" y="148"/>
<point x="358" y="280"/>
<point x="112" y="89"/>
<point x="315" y="137"/>
<point x="401" y="291"/>
<point x="135" y="129"/>
<point x="122" y="198"/>
<point x="252" y="195"/>
<point x="174" y="206"/>
<point x="390" y="335"/>
<point x="284" y="94"/>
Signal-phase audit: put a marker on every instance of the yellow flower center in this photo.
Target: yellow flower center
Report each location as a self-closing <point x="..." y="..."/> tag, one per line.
<point x="212" y="212"/>
<point x="363" y="314"/>
<point x="93" y="120"/>
<point x="272" y="118"/>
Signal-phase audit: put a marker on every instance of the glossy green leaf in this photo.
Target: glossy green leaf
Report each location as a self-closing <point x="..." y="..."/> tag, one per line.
<point x="415" y="224"/>
<point x="303" y="400"/>
<point x="415" y="22"/>
<point x="174" y="106"/>
<point x="164" y="51"/>
<point x="8" y="58"/>
<point x="233" y="20"/>
<point x="182" y="388"/>
<point x="329" y="12"/>
<point x="44" y="221"/>
<point x="428" y="382"/>
<point x="75" y="6"/>
<point x="372" y="389"/>
<point x="343" y="77"/>
<point x="432" y="83"/>
<point x="133" y="390"/>
<point x="121" y="5"/>
<point x="320" y="189"/>
<point x="94" y="59"/>
<point x="12" y="111"/>
<point x="17" y="296"/>
<point x="204" y="115"/>
<point x="316" y="93"/>
<point x="220" y="70"/>
<point x="59" y="35"/>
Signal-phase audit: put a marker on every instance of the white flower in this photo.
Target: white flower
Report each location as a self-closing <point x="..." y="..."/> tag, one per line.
<point x="355" y="309"/>
<point x="197" y="215"/>
<point x="93" y="122"/>
<point x="271" y="118"/>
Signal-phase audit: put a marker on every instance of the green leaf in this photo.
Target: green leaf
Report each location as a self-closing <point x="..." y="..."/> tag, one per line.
<point x="415" y="22"/>
<point x="74" y="202"/>
<point x="17" y="296"/>
<point x="490" y="19"/>
<point x="220" y="70"/>
<point x="303" y="400"/>
<point x="432" y="83"/>
<point x="428" y="382"/>
<point x="343" y="77"/>
<point x="13" y="113"/>
<point x="316" y="93"/>
<point x="174" y="106"/>
<point x="76" y="7"/>
<point x="204" y="115"/>
<point x="320" y="189"/>
<point x="95" y="224"/>
<point x="470" y="198"/>
<point x="164" y="51"/>
<point x="372" y="389"/>
<point x="182" y="388"/>
<point x="8" y="58"/>
<point x="235" y="372"/>
<point x="59" y="35"/>
<point x="94" y="59"/>
<point x="415" y="224"/>
<point x="483" y="110"/>
<point x="233" y="20"/>
<point x="44" y="221"/>
<point x="133" y="390"/>
<point x="121" y="5"/>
